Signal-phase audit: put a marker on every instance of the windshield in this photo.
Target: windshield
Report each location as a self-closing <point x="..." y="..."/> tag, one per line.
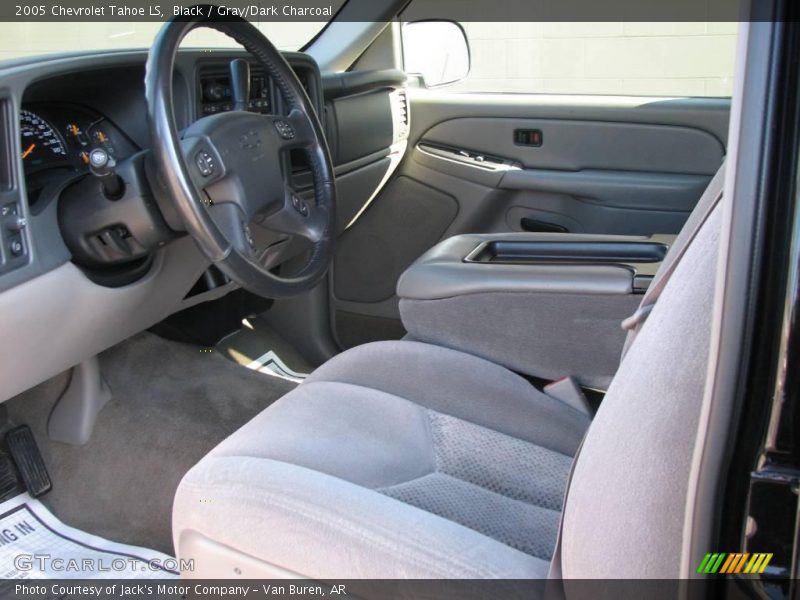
<point x="20" y="39"/>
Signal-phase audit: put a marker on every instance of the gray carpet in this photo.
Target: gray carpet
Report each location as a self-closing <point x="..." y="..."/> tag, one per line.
<point x="171" y="404"/>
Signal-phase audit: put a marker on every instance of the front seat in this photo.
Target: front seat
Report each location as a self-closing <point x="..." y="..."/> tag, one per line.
<point x="407" y="460"/>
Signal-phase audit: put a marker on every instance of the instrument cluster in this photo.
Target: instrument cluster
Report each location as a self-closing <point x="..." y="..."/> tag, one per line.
<point x="57" y="139"/>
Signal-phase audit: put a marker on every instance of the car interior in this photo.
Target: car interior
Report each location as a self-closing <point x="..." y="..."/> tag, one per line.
<point x="308" y="314"/>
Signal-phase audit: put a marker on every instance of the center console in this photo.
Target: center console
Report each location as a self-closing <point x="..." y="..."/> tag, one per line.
<point x="214" y="90"/>
<point x="545" y="305"/>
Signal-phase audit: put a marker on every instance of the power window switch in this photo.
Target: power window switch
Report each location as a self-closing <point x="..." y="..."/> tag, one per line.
<point x="528" y="137"/>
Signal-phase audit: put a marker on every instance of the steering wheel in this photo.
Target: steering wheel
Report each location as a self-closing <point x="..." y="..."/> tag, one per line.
<point x="225" y="171"/>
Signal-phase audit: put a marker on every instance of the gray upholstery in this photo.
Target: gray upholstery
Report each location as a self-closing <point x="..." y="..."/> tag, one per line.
<point x="506" y="488"/>
<point x="402" y="459"/>
<point x="395" y="459"/>
<point x="545" y="335"/>
<point x="702" y="212"/>
<point x="543" y="320"/>
<point x="628" y="492"/>
<point x="461" y="385"/>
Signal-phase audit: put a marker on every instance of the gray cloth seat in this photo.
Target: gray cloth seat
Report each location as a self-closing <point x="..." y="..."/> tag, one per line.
<point x="407" y="460"/>
<point x="460" y="463"/>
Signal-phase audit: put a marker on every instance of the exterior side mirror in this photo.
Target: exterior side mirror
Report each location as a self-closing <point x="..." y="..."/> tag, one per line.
<point x="437" y="51"/>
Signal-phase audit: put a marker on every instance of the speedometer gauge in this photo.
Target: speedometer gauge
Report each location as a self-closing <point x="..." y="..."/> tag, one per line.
<point x="41" y="144"/>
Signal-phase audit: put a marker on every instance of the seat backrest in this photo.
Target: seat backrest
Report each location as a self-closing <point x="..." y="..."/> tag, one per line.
<point x="624" y="512"/>
<point x="707" y="203"/>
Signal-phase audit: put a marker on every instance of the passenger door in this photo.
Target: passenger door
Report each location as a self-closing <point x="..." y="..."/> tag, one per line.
<point x="483" y="161"/>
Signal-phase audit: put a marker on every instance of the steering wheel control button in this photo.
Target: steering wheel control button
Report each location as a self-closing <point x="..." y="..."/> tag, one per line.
<point x="205" y="163"/>
<point x="285" y="130"/>
<point x="300" y="205"/>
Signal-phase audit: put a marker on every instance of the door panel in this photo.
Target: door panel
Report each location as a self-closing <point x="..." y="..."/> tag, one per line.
<point x="574" y="145"/>
<point x="615" y="188"/>
<point x="615" y="165"/>
<point x="430" y="108"/>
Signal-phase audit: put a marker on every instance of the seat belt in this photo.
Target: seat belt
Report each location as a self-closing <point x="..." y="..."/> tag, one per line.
<point x="705" y="206"/>
<point x="554" y="589"/>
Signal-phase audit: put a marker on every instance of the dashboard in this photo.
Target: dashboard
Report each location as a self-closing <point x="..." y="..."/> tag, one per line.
<point x="56" y="138"/>
<point x="55" y="110"/>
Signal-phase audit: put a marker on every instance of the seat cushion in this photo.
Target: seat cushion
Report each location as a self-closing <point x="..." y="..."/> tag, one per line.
<point x="395" y="459"/>
<point x="461" y="385"/>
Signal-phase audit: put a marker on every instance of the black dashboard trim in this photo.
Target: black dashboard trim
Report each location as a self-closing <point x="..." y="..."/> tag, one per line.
<point x="349" y="83"/>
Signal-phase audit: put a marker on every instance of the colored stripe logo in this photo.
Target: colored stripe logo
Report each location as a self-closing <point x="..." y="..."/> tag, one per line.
<point x="734" y="563"/>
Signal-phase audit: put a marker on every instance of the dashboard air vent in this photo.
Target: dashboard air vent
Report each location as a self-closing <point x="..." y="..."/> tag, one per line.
<point x="403" y="101"/>
<point x="400" y="113"/>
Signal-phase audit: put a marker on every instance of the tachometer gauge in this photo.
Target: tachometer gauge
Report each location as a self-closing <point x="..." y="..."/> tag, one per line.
<point x="41" y="144"/>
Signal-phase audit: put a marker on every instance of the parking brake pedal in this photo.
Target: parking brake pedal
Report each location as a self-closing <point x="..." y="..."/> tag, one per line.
<point x="30" y="464"/>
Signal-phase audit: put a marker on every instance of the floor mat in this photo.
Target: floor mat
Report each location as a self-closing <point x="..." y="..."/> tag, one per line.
<point x="260" y="348"/>
<point x="171" y="404"/>
<point x="271" y="364"/>
<point x="34" y="544"/>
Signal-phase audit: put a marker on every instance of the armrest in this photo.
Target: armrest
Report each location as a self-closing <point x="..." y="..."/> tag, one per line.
<point x="545" y="305"/>
<point x="451" y="267"/>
